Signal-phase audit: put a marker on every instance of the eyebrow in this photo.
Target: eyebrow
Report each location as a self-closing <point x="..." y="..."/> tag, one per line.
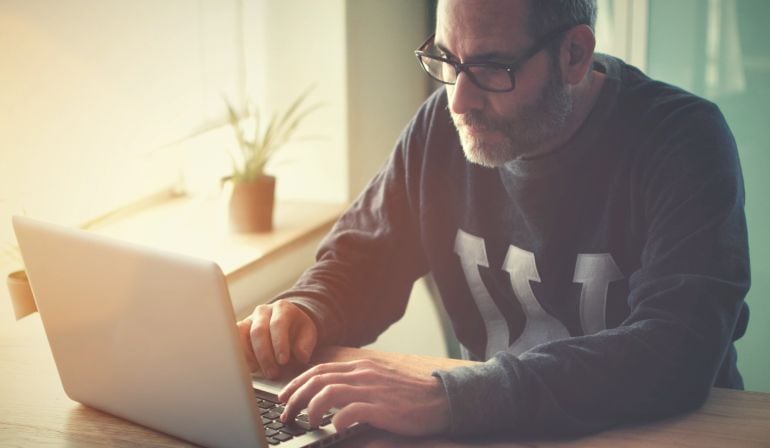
<point x="486" y="56"/>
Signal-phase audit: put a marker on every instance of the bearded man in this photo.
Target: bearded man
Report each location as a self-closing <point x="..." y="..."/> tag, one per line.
<point x="584" y="226"/>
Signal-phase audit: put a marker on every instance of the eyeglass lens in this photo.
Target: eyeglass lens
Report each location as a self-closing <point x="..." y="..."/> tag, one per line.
<point x="486" y="77"/>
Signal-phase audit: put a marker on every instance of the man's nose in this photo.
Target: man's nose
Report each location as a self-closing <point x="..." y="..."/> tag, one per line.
<point x="465" y="96"/>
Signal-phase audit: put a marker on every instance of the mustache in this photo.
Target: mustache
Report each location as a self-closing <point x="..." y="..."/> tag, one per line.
<point x="477" y="121"/>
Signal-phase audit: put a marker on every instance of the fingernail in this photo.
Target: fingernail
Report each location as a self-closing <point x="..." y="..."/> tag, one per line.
<point x="282" y="358"/>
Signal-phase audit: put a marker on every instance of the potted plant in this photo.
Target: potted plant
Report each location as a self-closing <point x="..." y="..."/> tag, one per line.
<point x="18" y="284"/>
<point x="253" y="194"/>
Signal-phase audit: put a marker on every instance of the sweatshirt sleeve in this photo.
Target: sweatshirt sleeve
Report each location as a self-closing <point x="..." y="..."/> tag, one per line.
<point x="365" y="267"/>
<point x="686" y="305"/>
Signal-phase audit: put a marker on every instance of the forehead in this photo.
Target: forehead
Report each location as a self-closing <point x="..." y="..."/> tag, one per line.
<point x="468" y="27"/>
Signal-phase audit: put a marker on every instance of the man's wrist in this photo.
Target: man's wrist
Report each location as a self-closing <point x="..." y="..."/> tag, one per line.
<point x="444" y="409"/>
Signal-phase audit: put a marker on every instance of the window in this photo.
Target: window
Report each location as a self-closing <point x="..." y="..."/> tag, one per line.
<point x="98" y="97"/>
<point x="720" y="53"/>
<point x="621" y="30"/>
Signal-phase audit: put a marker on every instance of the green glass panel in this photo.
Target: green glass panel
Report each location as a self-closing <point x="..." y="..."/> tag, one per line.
<point x="720" y="49"/>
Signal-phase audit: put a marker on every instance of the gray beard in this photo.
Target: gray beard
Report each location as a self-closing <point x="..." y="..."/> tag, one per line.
<point x="526" y="134"/>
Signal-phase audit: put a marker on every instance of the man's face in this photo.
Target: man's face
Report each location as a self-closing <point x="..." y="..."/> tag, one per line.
<point x="498" y="127"/>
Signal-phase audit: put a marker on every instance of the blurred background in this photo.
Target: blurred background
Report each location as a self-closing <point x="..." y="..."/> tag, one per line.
<point x="104" y="103"/>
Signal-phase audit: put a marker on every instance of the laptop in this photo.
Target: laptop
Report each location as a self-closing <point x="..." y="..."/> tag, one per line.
<point x="150" y="336"/>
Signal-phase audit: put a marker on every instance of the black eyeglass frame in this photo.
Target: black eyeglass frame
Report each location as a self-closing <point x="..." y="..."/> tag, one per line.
<point x="510" y="68"/>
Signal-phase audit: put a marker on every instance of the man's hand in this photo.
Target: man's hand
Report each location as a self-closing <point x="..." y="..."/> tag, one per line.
<point x="396" y="400"/>
<point x="274" y="335"/>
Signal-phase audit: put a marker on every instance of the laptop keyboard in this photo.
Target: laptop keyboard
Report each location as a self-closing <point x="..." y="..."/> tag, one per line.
<point x="277" y="431"/>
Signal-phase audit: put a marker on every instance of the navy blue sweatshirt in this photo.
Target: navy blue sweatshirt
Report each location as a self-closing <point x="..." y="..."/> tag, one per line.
<point x="602" y="283"/>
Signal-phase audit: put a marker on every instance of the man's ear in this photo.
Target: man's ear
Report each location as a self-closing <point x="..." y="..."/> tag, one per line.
<point x="576" y="53"/>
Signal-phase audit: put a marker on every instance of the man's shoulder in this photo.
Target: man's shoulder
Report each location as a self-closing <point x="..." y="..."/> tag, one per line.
<point x="671" y="127"/>
<point x="432" y="124"/>
<point x="645" y="98"/>
<point x="433" y="108"/>
<point x="656" y="114"/>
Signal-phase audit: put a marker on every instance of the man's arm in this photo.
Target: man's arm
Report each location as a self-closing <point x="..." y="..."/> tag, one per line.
<point x="363" y="275"/>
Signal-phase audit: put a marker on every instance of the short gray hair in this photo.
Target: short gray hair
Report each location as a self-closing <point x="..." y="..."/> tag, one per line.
<point x="547" y="15"/>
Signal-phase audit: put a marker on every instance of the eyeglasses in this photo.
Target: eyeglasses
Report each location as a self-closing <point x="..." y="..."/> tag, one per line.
<point x="489" y="76"/>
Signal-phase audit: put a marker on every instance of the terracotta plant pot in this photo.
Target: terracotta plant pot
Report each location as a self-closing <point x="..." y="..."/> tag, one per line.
<point x="21" y="294"/>
<point x="251" y="205"/>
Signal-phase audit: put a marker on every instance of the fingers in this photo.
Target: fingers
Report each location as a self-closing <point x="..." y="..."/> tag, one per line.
<point x="280" y="323"/>
<point x="293" y="333"/>
<point x="320" y="390"/>
<point x="355" y="404"/>
<point x="334" y="396"/>
<point x="275" y="332"/>
<point x="308" y="375"/>
<point x="262" y="343"/>
<point x="305" y="342"/>
<point x="244" y="329"/>
<point x="394" y="399"/>
<point x="359" y="413"/>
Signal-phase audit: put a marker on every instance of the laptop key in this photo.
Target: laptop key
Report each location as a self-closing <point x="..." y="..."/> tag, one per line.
<point x="272" y="415"/>
<point x="293" y="429"/>
<point x="282" y="436"/>
<point x="325" y="419"/>
<point x="274" y="425"/>
<point x="271" y="432"/>
<point x="273" y="441"/>
<point x="305" y="425"/>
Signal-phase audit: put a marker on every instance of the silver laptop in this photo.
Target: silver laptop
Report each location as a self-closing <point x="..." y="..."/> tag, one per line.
<point x="150" y="336"/>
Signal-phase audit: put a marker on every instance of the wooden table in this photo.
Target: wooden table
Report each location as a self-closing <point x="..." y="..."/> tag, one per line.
<point x="35" y="412"/>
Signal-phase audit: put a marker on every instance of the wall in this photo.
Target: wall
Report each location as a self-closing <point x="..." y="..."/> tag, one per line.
<point x="106" y="102"/>
<point x="93" y="94"/>
<point x="358" y="55"/>
<point x="305" y="47"/>
<point x="385" y="88"/>
<point x="385" y="83"/>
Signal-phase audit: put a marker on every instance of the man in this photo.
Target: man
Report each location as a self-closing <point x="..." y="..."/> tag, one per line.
<point x="583" y="223"/>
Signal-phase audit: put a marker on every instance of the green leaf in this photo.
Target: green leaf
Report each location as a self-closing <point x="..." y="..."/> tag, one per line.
<point x="258" y="151"/>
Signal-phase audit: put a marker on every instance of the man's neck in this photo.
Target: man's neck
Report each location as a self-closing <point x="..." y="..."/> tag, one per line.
<point x="585" y="94"/>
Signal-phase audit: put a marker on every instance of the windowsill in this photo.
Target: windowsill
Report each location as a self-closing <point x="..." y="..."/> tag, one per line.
<point x="257" y="266"/>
